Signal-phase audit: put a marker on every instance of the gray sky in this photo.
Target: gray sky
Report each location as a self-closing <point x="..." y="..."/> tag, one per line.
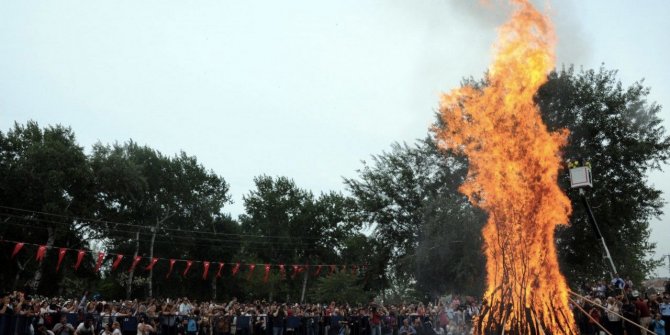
<point x="304" y="89"/>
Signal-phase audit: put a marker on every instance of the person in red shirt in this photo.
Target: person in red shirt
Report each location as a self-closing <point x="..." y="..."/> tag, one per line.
<point x="644" y="312"/>
<point x="375" y="321"/>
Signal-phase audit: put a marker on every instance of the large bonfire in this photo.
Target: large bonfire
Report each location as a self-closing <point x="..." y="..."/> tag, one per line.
<point x="514" y="164"/>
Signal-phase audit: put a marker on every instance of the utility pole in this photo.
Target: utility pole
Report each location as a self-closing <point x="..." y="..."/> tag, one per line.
<point x="154" y="230"/>
<point x="129" y="288"/>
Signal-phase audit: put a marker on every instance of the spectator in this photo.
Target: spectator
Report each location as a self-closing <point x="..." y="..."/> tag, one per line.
<point x="643" y="312"/>
<point x="613" y="309"/>
<point x="86" y="327"/>
<point x="664" y="310"/>
<point x="116" y="328"/>
<point x="658" y="325"/>
<point x="406" y="329"/>
<point x="63" y="327"/>
<point x="629" y="311"/>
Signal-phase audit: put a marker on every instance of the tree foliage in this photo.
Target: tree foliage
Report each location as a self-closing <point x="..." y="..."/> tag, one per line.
<point x="620" y="133"/>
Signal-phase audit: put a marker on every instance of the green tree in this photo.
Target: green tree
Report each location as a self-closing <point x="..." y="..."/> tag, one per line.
<point x="284" y="224"/>
<point x="409" y="197"/>
<point x="620" y="133"/>
<point x="150" y="203"/>
<point x="42" y="170"/>
<point x="342" y="287"/>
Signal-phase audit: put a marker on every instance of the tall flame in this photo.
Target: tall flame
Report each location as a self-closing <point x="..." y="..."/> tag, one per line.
<point x="514" y="164"/>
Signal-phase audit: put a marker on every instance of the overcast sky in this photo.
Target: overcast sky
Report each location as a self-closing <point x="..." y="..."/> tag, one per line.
<point x="304" y="89"/>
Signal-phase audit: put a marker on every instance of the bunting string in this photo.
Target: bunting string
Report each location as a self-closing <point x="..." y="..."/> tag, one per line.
<point x="99" y="257"/>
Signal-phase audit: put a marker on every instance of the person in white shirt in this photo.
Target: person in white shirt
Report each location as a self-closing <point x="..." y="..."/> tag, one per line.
<point x="613" y="310"/>
<point x="116" y="326"/>
<point x="86" y="327"/>
<point x="185" y="307"/>
<point x="144" y="328"/>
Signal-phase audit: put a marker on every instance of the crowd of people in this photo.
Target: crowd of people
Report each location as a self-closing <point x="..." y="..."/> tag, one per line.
<point x="24" y="315"/>
<point x="619" y="308"/>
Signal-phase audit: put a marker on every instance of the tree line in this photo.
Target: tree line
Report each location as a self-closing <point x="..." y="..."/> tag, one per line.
<point x="401" y="213"/>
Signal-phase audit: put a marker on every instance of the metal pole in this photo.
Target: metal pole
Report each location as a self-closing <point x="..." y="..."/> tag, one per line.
<point x="596" y="229"/>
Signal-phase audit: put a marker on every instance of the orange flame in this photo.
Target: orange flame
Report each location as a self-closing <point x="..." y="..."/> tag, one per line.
<point x="514" y="164"/>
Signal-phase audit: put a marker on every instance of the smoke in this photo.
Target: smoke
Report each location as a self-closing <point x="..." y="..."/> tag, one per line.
<point x="571" y="48"/>
<point x="488" y="14"/>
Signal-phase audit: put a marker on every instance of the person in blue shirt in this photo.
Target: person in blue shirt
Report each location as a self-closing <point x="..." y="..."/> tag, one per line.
<point x="658" y="325"/>
<point x="406" y="329"/>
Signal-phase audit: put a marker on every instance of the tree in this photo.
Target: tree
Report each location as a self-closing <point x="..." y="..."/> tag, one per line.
<point x="145" y="196"/>
<point x="620" y="133"/>
<point x="428" y="230"/>
<point x="340" y="287"/>
<point x="42" y="170"/>
<point x="287" y="225"/>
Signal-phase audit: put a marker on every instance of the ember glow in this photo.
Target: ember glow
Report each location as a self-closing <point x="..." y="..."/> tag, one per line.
<point x="514" y="163"/>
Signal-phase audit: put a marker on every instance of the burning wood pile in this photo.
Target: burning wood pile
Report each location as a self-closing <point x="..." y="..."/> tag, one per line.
<point x="514" y="165"/>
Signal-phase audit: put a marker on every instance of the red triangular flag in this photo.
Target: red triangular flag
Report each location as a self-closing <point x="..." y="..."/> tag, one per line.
<point x="98" y="264"/>
<point x="172" y="261"/>
<point x="41" y="251"/>
<point x="61" y="255"/>
<point x="188" y="267"/>
<point x="151" y="264"/>
<point x="332" y="269"/>
<point x="17" y="248"/>
<point x="205" y="270"/>
<point x="318" y="270"/>
<point x="117" y="261"/>
<point x="251" y="270"/>
<point x="218" y="273"/>
<point x="282" y="271"/>
<point x="236" y="268"/>
<point x="135" y="261"/>
<point x="80" y="257"/>
<point x="267" y="273"/>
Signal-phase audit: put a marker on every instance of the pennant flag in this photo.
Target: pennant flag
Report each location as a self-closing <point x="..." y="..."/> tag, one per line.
<point x="236" y="268"/>
<point x="117" y="261"/>
<point x="318" y="270"/>
<point x="296" y="269"/>
<point x="135" y="261"/>
<point x="282" y="271"/>
<point x="80" y="257"/>
<point x="17" y="248"/>
<point x="61" y="255"/>
<point x="41" y="251"/>
<point x="188" y="267"/>
<point x="332" y="269"/>
<point x="171" y="267"/>
<point x="152" y="264"/>
<point x="98" y="264"/>
<point x="251" y="270"/>
<point x="267" y="273"/>
<point x="218" y="273"/>
<point x="205" y="270"/>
